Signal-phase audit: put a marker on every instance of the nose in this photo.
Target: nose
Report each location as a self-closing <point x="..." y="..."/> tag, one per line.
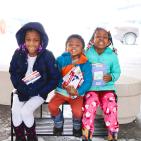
<point x="101" y="38"/>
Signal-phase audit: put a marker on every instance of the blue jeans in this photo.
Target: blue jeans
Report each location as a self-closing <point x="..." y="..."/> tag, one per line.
<point x="58" y="120"/>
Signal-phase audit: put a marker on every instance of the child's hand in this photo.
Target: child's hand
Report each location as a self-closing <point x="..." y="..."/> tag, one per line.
<point x="107" y="77"/>
<point x="71" y="90"/>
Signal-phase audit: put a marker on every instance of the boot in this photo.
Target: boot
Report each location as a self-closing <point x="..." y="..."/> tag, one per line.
<point x="115" y="136"/>
<point x="77" y="133"/>
<point x="31" y="133"/>
<point x="77" y="130"/>
<point x="112" y="136"/>
<point x="57" y="131"/>
<point x="19" y="132"/>
<point x="87" y="135"/>
<point x="58" y="124"/>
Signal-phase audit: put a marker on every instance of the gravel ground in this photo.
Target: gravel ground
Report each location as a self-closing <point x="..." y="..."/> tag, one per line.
<point x="4" y="122"/>
<point x="128" y="132"/>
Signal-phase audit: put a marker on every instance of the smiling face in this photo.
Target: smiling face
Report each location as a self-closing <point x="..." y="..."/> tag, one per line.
<point x="32" y="42"/>
<point x="101" y="39"/>
<point x="75" y="47"/>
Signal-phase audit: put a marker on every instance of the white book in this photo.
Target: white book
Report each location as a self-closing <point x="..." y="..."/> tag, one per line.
<point x="74" y="77"/>
<point x="31" y="78"/>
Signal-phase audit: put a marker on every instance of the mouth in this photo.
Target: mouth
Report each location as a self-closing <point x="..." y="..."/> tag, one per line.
<point x="74" y="50"/>
<point x="101" y="43"/>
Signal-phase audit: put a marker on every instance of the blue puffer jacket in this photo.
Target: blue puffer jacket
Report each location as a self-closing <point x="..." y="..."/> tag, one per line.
<point x="45" y="64"/>
<point x="65" y="64"/>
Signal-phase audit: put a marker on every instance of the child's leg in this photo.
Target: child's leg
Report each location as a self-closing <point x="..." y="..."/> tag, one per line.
<point x="90" y="106"/>
<point x="17" y="119"/>
<point x="109" y="106"/>
<point x="27" y="115"/>
<point x="16" y="110"/>
<point x="76" y="106"/>
<point x="28" y="109"/>
<point x="56" y="113"/>
<point x="55" y="103"/>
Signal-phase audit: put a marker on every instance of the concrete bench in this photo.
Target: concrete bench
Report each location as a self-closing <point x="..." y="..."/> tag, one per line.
<point x="44" y="125"/>
<point x="128" y="91"/>
<point x="129" y="99"/>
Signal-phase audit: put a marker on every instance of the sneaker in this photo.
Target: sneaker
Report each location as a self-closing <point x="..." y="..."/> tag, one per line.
<point x="57" y="131"/>
<point x="110" y="137"/>
<point x="77" y="133"/>
<point x="115" y="136"/>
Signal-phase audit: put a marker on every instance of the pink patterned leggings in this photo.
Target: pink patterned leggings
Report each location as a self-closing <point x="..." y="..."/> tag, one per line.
<point x="106" y="100"/>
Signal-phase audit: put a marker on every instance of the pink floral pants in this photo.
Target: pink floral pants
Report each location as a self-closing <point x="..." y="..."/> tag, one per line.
<point x="106" y="100"/>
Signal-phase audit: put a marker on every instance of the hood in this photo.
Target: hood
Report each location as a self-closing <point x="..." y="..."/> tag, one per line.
<point x="20" y="35"/>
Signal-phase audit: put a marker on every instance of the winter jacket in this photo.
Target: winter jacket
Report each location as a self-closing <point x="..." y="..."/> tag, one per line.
<point x="110" y="60"/>
<point x="45" y="64"/>
<point x="65" y="65"/>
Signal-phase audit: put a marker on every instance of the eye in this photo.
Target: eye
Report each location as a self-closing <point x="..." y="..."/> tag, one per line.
<point x="98" y="36"/>
<point x="37" y="40"/>
<point x="105" y="37"/>
<point x="27" y="39"/>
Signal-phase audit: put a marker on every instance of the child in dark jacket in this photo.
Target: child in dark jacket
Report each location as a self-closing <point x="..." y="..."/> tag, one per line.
<point x="72" y="58"/>
<point x="34" y="73"/>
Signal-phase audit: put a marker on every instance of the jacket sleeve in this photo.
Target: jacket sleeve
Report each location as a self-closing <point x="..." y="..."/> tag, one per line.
<point x="54" y="75"/>
<point x="115" y="69"/>
<point x="87" y="76"/>
<point x="16" y="78"/>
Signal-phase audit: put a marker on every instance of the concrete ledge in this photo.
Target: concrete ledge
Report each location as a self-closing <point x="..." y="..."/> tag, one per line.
<point x="5" y="88"/>
<point x="128" y="86"/>
<point x="129" y="108"/>
<point x="129" y="92"/>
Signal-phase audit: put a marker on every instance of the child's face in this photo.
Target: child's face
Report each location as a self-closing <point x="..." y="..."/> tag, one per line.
<point x="75" y="47"/>
<point x="32" y="42"/>
<point x="101" y="39"/>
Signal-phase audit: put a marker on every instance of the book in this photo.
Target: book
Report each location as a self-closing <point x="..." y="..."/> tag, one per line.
<point x="31" y="78"/>
<point x="74" y="77"/>
<point x="98" y="71"/>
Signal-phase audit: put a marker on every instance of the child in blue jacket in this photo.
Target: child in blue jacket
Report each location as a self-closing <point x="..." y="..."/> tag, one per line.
<point x="34" y="73"/>
<point x="73" y="57"/>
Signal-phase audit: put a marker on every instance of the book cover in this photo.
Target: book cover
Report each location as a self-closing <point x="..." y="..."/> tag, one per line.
<point x="31" y="78"/>
<point x="98" y="71"/>
<point x="74" y="77"/>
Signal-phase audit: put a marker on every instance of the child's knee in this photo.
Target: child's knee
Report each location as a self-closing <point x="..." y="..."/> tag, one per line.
<point x="26" y="113"/>
<point x="15" y="111"/>
<point x="53" y="109"/>
<point x="77" y="113"/>
<point x="110" y="105"/>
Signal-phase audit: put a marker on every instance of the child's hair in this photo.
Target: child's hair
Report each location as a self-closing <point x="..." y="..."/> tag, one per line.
<point x="77" y="37"/>
<point x="90" y="43"/>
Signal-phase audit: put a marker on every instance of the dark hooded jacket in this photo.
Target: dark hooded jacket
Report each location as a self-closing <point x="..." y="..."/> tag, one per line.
<point x="45" y="64"/>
